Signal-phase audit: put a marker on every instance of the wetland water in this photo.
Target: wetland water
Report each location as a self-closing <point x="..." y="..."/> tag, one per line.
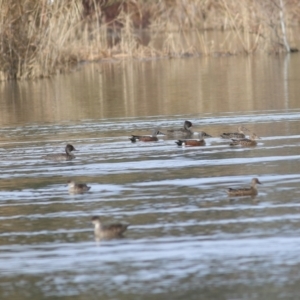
<point x="187" y="239"/>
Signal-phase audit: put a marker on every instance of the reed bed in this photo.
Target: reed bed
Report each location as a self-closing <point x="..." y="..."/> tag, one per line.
<point x="39" y="38"/>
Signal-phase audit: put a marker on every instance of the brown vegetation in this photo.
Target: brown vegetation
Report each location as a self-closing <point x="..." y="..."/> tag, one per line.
<point x="108" y="12"/>
<point x="39" y="37"/>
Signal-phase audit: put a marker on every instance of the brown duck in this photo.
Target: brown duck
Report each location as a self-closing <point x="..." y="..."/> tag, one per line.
<point x="192" y="143"/>
<point x="251" y="191"/>
<point x="62" y="156"/>
<point x="235" y="135"/>
<point x="77" y="188"/>
<point x="245" y="142"/>
<point x="182" y="132"/>
<point x="108" y="231"/>
<point x="146" y="138"/>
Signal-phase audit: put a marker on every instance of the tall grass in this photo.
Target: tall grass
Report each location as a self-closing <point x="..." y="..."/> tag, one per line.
<point x="253" y="25"/>
<point x="39" y="38"/>
<point x="35" y="37"/>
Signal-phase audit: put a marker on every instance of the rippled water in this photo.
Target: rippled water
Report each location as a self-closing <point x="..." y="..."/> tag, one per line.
<point x="187" y="238"/>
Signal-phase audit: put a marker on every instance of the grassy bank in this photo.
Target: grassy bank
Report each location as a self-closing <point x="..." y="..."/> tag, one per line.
<point x="39" y="38"/>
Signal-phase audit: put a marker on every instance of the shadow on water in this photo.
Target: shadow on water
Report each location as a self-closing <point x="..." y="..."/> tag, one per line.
<point x="187" y="238"/>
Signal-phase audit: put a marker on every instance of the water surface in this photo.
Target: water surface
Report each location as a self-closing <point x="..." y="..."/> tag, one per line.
<point x="187" y="239"/>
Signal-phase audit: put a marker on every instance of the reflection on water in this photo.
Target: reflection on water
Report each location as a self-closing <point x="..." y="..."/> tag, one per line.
<point x="187" y="239"/>
<point x="153" y="88"/>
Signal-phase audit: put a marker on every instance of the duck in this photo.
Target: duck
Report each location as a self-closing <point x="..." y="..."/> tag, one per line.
<point x="147" y="138"/>
<point x="77" y="188"/>
<point x="62" y="156"/>
<point x="245" y="142"/>
<point x="251" y="191"/>
<point x="108" y="231"/>
<point x="184" y="131"/>
<point x="235" y="135"/>
<point x="192" y="143"/>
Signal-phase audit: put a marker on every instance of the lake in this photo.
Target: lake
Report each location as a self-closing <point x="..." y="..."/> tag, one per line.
<point x="187" y="238"/>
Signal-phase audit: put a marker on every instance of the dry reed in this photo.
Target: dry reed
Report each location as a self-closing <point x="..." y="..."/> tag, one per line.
<point x="39" y="38"/>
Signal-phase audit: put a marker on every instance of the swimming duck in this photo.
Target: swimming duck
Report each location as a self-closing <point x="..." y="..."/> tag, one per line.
<point x="191" y="143"/>
<point x="146" y="138"/>
<point x="185" y="131"/>
<point x="235" y="135"/>
<point x="251" y="191"/>
<point x="246" y="142"/>
<point x="108" y="231"/>
<point x="62" y="156"/>
<point x="77" y="188"/>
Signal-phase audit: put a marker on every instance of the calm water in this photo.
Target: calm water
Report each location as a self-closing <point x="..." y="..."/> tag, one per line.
<point x="187" y="239"/>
